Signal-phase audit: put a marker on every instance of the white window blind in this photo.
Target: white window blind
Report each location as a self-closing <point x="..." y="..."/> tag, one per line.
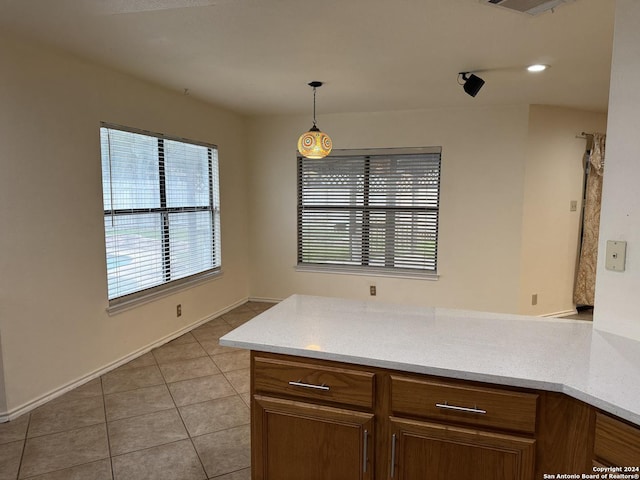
<point x="161" y="211"/>
<point x="376" y="209"/>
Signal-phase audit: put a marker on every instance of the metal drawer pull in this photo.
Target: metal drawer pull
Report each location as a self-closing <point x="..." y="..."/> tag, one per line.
<point x="309" y="385"/>
<point x="365" y="453"/>
<point x="393" y="454"/>
<point x="446" y="406"/>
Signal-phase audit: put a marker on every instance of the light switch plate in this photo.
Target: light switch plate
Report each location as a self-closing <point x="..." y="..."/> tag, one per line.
<point x="616" y="253"/>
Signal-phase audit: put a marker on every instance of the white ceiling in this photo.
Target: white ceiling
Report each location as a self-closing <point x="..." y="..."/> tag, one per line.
<point x="257" y="56"/>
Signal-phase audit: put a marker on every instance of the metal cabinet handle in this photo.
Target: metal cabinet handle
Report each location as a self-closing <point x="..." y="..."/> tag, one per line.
<point x="309" y="385"/>
<point x="393" y="454"/>
<point x="446" y="406"/>
<point x="365" y="452"/>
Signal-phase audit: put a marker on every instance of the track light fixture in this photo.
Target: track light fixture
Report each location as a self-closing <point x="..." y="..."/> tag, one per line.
<point x="472" y="83"/>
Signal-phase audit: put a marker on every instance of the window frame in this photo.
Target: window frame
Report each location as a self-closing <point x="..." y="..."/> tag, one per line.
<point x="168" y="285"/>
<point x="371" y="270"/>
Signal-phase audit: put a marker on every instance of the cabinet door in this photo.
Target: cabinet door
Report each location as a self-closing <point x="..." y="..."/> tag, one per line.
<point x="425" y="450"/>
<point x="300" y="441"/>
<point x="616" y="443"/>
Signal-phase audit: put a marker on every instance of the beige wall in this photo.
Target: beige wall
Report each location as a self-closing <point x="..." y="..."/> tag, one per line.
<point x="550" y="231"/>
<point x="616" y="308"/>
<point x="53" y="292"/>
<point x="483" y="162"/>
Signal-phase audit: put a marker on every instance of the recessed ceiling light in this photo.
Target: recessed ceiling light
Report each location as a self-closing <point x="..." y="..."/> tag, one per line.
<point x="537" y="68"/>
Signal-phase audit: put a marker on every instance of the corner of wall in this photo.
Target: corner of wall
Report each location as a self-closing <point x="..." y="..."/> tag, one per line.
<point x="616" y="310"/>
<point x="550" y="229"/>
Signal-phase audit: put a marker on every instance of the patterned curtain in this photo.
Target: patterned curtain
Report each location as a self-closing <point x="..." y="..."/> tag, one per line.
<point x="584" y="291"/>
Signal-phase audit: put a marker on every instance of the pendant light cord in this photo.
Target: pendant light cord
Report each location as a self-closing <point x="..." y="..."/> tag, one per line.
<point x="314" y="106"/>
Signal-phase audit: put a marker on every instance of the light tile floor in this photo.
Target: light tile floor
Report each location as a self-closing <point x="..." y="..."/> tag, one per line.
<point x="179" y="412"/>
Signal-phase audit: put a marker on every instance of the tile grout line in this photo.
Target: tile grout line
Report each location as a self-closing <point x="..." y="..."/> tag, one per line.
<point x="24" y="446"/>
<point x="175" y="407"/>
<point x="56" y="432"/>
<point x="193" y="445"/>
<point x="141" y="388"/>
<point x="138" y="387"/>
<point x="191" y="438"/>
<point x="106" y="425"/>
<point x="180" y="414"/>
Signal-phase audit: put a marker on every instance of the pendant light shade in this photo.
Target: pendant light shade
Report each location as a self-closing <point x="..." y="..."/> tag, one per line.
<point x="314" y="143"/>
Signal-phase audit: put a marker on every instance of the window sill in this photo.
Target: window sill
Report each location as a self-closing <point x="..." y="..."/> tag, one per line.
<point x="118" y="306"/>
<point x="367" y="271"/>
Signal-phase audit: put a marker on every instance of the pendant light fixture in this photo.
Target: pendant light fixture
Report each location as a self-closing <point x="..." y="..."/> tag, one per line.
<point x="314" y="143"/>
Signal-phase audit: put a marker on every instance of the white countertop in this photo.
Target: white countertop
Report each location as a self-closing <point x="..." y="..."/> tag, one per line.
<point x="559" y="355"/>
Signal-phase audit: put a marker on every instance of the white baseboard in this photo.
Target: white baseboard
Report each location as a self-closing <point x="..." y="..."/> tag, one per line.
<point x="265" y="299"/>
<point x="564" y="313"/>
<point x="35" y="403"/>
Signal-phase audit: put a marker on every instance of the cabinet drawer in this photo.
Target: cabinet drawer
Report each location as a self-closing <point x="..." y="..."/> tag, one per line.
<point x="470" y="405"/>
<point x="311" y="381"/>
<point x="616" y="444"/>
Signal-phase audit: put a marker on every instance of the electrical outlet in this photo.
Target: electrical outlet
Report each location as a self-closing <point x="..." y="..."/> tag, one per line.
<point x="534" y="299"/>
<point x="179" y="310"/>
<point x="372" y="290"/>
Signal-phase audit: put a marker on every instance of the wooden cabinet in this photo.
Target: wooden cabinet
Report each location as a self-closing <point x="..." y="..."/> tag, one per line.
<point x="564" y="435"/>
<point x="302" y="441"/>
<point x="449" y="448"/>
<point x="617" y="444"/>
<point x="322" y="420"/>
<point x="311" y="421"/>
<point x="423" y="450"/>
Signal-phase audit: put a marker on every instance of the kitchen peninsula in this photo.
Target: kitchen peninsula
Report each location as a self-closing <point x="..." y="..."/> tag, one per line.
<point x="347" y="389"/>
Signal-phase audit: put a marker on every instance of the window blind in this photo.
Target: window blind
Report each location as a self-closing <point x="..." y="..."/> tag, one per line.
<point x="377" y="209"/>
<point x="161" y="210"/>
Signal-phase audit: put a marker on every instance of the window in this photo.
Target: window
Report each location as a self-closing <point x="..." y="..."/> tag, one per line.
<point x="161" y="211"/>
<point x="372" y="211"/>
